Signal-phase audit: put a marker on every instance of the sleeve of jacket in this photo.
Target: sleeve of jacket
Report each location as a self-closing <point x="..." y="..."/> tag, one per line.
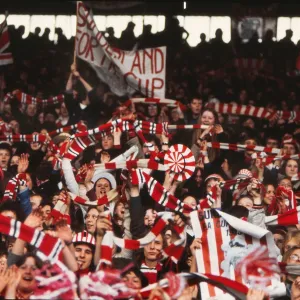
<point x="137" y="226"/>
<point x="69" y="176"/>
<point x="24" y="198"/>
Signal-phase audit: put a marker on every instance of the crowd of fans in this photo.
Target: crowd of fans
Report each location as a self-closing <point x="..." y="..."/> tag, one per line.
<point x="195" y="77"/>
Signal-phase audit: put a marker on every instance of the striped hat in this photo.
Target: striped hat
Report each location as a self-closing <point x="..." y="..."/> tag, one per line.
<point x="84" y="237"/>
<point x="214" y="176"/>
<point x="243" y="174"/>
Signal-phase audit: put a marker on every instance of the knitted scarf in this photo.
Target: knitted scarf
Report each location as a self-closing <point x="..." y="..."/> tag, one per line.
<point x="291" y="217"/>
<point x="45" y="243"/>
<point x="80" y="126"/>
<point x="259" y="112"/>
<point x="110" y="196"/>
<point x="27" y="99"/>
<point x="281" y="191"/>
<point x="151" y="273"/>
<point x="234" y="288"/>
<point x="60" y="212"/>
<point x="13" y="138"/>
<point x="12" y="186"/>
<point x="160" y="195"/>
<point x="238" y="147"/>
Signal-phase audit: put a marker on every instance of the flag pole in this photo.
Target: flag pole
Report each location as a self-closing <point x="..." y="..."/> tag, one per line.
<point x="75" y="43"/>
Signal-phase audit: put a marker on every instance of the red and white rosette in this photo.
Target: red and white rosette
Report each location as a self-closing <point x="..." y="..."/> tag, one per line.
<point x="180" y="161"/>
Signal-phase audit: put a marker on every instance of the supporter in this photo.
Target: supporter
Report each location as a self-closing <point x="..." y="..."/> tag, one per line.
<point x="84" y="244"/>
<point x="143" y="221"/>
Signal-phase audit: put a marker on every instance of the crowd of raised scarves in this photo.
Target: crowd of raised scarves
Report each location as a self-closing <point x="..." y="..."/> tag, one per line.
<point x="135" y="219"/>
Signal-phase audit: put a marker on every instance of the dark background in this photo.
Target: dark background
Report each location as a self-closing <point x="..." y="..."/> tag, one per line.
<point x="229" y="8"/>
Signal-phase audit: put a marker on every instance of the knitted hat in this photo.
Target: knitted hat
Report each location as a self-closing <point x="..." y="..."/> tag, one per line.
<point x="214" y="176"/>
<point x="84" y="237"/>
<point x="244" y="174"/>
<point x="100" y="174"/>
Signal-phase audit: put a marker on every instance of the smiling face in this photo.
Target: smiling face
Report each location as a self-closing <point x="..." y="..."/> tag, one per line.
<point x="152" y="250"/>
<point x="102" y="186"/>
<point x="270" y="194"/>
<point x="27" y="282"/>
<point x="83" y="256"/>
<point x="91" y="219"/>
<point x="208" y="118"/>
<point x="291" y="168"/>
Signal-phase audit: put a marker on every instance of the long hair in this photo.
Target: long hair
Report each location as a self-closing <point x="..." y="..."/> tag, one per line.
<point x="212" y="153"/>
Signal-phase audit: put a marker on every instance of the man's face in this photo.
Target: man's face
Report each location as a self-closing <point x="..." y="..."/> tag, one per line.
<point x="152" y="250"/>
<point x="271" y="143"/>
<point x="31" y="110"/>
<point x="289" y="149"/>
<point x="250" y="142"/>
<point x="46" y="211"/>
<point x="196" y="106"/>
<point x="4" y="158"/>
<point x="83" y="256"/>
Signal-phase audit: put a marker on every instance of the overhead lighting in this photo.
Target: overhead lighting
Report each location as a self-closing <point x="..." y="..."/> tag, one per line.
<point x="184" y="4"/>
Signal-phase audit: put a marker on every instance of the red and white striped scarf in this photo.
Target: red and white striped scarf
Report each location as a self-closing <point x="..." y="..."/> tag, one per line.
<point x="253" y="111"/>
<point x="291" y="202"/>
<point x="27" y="99"/>
<point x="291" y="217"/>
<point x="12" y="186"/>
<point x="151" y="273"/>
<point x="80" y="126"/>
<point x="13" y="138"/>
<point x="234" y="288"/>
<point x="60" y="212"/>
<point x="45" y="243"/>
<point x="105" y="200"/>
<point x="4" y="127"/>
<point x="239" y="147"/>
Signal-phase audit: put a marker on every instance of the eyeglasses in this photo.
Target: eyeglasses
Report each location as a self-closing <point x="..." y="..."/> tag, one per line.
<point x="295" y="257"/>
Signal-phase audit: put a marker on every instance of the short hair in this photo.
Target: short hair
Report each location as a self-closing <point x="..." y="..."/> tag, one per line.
<point x="22" y="260"/>
<point x="138" y="273"/>
<point x="44" y="170"/>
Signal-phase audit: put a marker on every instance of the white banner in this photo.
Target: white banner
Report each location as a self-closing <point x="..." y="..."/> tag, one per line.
<point x="124" y="71"/>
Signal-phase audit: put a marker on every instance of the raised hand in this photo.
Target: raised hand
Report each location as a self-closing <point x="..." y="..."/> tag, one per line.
<point x="102" y="225"/>
<point x="34" y="220"/>
<point x="63" y="231"/>
<point x="196" y="244"/>
<point x="23" y="163"/>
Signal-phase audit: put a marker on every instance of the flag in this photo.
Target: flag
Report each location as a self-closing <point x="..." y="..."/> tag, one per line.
<point x="126" y="72"/>
<point x="226" y="240"/>
<point x="5" y="58"/>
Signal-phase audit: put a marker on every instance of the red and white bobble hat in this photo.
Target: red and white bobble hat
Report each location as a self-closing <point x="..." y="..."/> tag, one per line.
<point x="84" y="237"/>
<point x="243" y="174"/>
<point x="214" y="176"/>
